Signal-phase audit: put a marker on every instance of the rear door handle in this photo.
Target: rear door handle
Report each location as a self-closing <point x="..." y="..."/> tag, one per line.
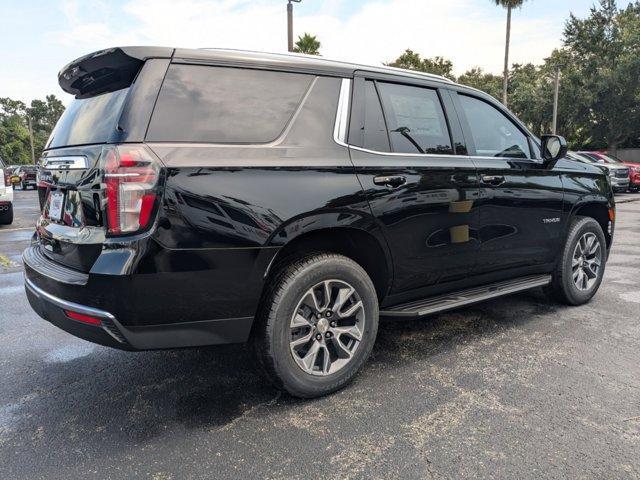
<point x="492" y="179"/>
<point x="391" y="181"/>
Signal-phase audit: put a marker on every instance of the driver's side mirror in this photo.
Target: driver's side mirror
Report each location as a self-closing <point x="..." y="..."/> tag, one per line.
<point x="554" y="147"/>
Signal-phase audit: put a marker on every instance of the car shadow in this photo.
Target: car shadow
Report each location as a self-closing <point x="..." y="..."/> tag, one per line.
<point x="101" y="398"/>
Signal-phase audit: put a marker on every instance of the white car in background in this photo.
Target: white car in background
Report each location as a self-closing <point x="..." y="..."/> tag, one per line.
<point x="6" y="195"/>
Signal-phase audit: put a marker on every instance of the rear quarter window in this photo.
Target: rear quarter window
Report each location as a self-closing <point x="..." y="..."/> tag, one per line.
<point x="225" y="105"/>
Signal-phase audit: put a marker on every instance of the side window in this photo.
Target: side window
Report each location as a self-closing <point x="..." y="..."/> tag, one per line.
<point x="493" y="133"/>
<point x="415" y="119"/>
<point x="200" y="103"/>
<point x="375" y="131"/>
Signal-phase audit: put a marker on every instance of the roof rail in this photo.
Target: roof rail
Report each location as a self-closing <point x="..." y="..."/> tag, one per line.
<point x="341" y="62"/>
<point x="418" y="72"/>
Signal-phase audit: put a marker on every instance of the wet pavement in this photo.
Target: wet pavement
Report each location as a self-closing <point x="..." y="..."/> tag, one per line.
<point x="512" y="388"/>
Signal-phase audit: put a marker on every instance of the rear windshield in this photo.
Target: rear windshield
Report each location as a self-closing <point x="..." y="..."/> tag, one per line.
<point x="88" y="120"/>
<point x="225" y="105"/>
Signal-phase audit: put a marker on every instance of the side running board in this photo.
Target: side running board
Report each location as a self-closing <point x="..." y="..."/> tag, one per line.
<point x="449" y="301"/>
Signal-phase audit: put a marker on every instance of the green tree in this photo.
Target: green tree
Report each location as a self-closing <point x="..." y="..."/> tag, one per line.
<point x="487" y="82"/>
<point x="308" y="44"/>
<point x="15" y="143"/>
<point x="44" y="115"/>
<point x="602" y="52"/>
<point x="509" y="5"/>
<point x="412" y="61"/>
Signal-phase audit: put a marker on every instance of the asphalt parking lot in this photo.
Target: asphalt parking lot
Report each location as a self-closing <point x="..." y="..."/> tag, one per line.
<point x="512" y="388"/>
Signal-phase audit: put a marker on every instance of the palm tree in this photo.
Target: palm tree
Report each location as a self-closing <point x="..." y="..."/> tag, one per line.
<point x="509" y="5"/>
<point x="308" y="44"/>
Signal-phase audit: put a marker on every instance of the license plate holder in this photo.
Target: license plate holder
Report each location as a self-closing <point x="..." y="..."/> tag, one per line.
<point x="56" y="204"/>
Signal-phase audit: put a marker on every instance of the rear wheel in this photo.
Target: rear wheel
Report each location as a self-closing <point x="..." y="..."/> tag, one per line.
<point x="579" y="272"/>
<point x="316" y="325"/>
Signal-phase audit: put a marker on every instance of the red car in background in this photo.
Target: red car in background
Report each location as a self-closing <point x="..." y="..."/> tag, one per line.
<point x="633" y="168"/>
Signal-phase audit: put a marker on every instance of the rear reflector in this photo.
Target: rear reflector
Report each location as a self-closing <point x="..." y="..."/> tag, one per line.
<point x="81" y="317"/>
<point x="130" y="175"/>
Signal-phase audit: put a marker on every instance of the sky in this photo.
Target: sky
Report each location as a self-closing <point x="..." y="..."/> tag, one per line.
<point x="38" y="37"/>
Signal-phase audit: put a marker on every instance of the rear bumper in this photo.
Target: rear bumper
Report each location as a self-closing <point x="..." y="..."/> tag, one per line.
<point x="52" y="309"/>
<point x="49" y="287"/>
<point x="6" y="195"/>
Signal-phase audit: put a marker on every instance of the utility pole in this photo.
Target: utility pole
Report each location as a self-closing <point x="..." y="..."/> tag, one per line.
<point x="33" y="153"/>
<point x="556" y="92"/>
<point x="290" y="24"/>
<point x="505" y="77"/>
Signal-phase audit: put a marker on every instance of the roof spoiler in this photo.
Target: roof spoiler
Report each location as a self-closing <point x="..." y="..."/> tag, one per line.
<point x="107" y="70"/>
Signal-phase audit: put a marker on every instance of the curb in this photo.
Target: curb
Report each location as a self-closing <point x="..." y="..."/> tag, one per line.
<point x="627" y="200"/>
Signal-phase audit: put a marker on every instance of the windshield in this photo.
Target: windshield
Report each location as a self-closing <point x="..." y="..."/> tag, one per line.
<point x="581" y="157"/>
<point x="591" y="157"/>
<point x="88" y="120"/>
<point x="611" y="158"/>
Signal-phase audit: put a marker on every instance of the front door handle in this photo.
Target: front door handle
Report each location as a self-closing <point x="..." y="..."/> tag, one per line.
<point x="492" y="179"/>
<point x="391" y="181"/>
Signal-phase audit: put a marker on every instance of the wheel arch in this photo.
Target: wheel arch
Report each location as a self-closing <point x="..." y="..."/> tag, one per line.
<point x="366" y="247"/>
<point x="599" y="211"/>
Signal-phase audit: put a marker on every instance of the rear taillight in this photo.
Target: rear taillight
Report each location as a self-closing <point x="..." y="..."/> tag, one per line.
<point x="7" y="177"/>
<point x="131" y="176"/>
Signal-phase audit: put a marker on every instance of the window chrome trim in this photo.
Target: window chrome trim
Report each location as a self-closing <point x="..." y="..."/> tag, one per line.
<point x="398" y="154"/>
<point x="342" y="123"/>
<point x="342" y="113"/>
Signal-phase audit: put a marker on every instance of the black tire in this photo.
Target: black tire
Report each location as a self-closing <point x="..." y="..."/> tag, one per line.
<point x="6" y="216"/>
<point x="563" y="287"/>
<point x="272" y="331"/>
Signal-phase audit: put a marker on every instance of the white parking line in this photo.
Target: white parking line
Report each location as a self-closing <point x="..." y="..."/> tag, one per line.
<point x="16" y="229"/>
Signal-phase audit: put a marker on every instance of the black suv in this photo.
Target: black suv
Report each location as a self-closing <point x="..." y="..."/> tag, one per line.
<point x="201" y="197"/>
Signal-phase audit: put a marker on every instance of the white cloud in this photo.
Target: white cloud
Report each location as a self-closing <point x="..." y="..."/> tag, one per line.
<point x="469" y="32"/>
<point x="457" y="29"/>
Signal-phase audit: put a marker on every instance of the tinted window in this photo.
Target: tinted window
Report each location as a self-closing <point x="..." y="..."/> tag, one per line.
<point x="415" y="119"/>
<point x="375" y="131"/>
<point x="89" y="120"/>
<point x="225" y="105"/>
<point x="493" y="133"/>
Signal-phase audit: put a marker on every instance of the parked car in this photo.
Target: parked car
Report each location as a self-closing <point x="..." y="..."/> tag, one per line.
<point x="9" y="172"/>
<point x="618" y="171"/>
<point x="6" y="195"/>
<point x="202" y="197"/>
<point x="26" y="175"/>
<point x="634" y="171"/>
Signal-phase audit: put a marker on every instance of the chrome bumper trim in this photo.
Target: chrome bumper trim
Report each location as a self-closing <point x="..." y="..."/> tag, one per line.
<point x="107" y="326"/>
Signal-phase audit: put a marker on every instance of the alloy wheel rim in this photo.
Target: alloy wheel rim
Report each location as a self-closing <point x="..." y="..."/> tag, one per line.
<point x="326" y="327"/>
<point x="586" y="261"/>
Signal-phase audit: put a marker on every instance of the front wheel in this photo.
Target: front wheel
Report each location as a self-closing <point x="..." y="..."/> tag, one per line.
<point x="316" y="325"/>
<point x="579" y="272"/>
